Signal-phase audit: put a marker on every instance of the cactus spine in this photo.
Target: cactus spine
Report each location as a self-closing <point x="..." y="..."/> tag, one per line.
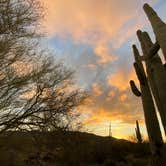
<point x="138" y="133"/>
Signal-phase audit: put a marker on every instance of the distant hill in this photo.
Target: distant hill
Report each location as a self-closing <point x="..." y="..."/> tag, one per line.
<point x="69" y="149"/>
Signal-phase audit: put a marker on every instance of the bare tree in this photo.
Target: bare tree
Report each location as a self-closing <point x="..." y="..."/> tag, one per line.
<point x="35" y="92"/>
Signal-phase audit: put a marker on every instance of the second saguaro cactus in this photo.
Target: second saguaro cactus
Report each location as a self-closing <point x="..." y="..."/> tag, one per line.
<point x="138" y="133"/>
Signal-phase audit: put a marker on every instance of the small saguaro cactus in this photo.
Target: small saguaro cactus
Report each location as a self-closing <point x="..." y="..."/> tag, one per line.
<point x="110" y="130"/>
<point x="138" y="133"/>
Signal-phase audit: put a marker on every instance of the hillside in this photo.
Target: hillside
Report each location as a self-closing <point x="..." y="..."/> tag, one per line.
<point x="70" y="149"/>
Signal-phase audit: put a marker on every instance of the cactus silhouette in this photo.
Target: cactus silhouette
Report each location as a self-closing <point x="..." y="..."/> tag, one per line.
<point x="138" y="133"/>
<point x="151" y="120"/>
<point x="152" y="84"/>
<point x="155" y="72"/>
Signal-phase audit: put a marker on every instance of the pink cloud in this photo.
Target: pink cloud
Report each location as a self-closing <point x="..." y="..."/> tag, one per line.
<point x="90" y="20"/>
<point x="95" y="22"/>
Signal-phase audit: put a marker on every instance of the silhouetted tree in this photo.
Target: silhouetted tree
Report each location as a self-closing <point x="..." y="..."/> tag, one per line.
<point x="35" y="92"/>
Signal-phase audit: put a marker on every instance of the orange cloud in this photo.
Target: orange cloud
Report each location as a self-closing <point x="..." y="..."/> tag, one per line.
<point x="111" y="94"/>
<point x="104" y="26"/>
<point x="116" y="106"/>
<point x="81" y="18"/>
<point x="96" y="90"/>
<point x="94" y="22"/>
<point x="100" y="115"/>
<point x="104" y="53"/>
<point x="123" y="97"/>
<point x="88" y="101"/>
<point x="122" y="124"/>
<point x="120" y="79"/>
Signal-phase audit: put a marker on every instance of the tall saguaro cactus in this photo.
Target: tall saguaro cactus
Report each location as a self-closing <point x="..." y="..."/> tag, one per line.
<point x="151" y="120"/>
<point x="152" y="124"/>
<point x="152" y="84"/>
<point x="155" y="72"/>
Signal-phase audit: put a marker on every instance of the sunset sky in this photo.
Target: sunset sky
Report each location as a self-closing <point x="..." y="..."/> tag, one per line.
<point x="94" y="38"/>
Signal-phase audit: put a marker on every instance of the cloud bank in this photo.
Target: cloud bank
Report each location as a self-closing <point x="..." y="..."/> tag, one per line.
<point x="94" y="37"/>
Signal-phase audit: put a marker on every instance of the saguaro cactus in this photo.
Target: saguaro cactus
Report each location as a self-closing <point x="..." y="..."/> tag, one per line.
<point x="152" y="82"/>
<point x="110" y="130"/>
<point x="155" y="72"/>
<point x="138" y="133"/>
<point x="152" y="124"/>
<point x="159" y="27"/>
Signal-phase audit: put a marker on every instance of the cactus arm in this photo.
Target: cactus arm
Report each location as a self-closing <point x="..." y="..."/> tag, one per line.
<point x="137" y="55"/>
<point x="134" y="89"/>
<point x="153" y="50"/>
<point x="138" y="58"/>
<point x="159" y="27"/>
<point x="145" y="41"/>
<point x="139" y="35"/>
